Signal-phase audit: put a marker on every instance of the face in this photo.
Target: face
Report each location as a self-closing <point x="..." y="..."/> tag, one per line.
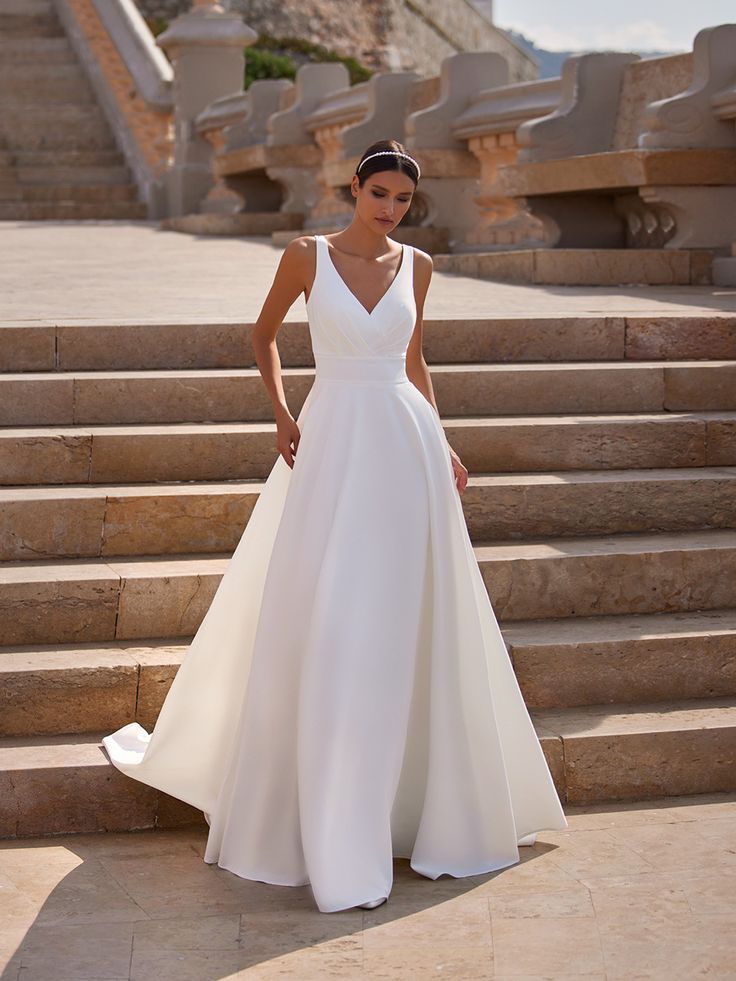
<point x="384" y="198"/>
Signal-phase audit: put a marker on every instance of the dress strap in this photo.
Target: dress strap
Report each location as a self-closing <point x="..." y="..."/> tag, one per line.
<point x="319" y="246"/>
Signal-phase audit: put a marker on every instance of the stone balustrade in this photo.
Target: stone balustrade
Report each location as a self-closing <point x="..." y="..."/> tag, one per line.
<point x="450" y="183"/>
<point x="634" y="156"/>
<point x="489" y="126"/>
<point x="618" y="152"/>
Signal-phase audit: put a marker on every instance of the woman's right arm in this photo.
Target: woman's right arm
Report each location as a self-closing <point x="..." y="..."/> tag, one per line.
<point x="291" y="279"/>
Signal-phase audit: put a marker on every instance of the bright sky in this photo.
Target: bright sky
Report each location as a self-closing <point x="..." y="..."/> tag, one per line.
<point x="627" y="25"/>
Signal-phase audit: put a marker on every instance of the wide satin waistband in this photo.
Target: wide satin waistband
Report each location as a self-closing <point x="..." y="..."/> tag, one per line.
<point x="376" y="369"/>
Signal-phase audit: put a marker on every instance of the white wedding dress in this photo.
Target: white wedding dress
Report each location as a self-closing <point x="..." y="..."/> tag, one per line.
<point x="348" y="696"/>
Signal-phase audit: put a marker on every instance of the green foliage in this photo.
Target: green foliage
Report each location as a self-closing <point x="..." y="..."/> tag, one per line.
<point x="156" y="25"/>
<point x="279" y="57"/>
<point x="260" y="63"/>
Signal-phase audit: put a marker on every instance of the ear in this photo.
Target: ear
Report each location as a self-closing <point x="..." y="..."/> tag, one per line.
<point x="354" y="186"/>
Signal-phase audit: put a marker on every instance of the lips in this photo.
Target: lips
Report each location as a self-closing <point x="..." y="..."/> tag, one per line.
<point x="385" y="221"/>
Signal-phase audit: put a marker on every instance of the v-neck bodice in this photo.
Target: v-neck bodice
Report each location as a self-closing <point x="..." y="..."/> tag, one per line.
<point x="341" y="327"/>
<point x="352" y="292"/>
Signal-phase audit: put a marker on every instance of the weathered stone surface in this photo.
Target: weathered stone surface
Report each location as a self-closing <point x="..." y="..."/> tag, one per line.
<point x="173" y="519"/>
<point x="196" y="396"/>
<point x="183" y="452"/>
<point x="57" y="602"/>
<point x="598" y="502"/>
<point x="632" y="753"/>
<point x="27" y="348"/>
<point x="523" y="338"/>
<point x="676" y="338"/>
<point x="662" y="657"/>
<point x="583" y="267"/>
<point x="236" y="395"/>
<point x="601" y="267"/>
<point x="580" y="442"/>
<point x="600" y="576"/>
<point x="44" y="522"/>
<point x="721" y="440"/>
<point x="43" y="457"/>
<point x="157" y="669"/>
<point x="60" y="691"/>
<point x="58" y="783"/>
<point x="700" y="387"/>
<point x="130" y="347"/>
<point x="165" y="598"/>
<point x="523" y="389"/>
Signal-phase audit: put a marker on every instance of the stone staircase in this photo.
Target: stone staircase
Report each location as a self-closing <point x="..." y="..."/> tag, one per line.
<point x="601" y="504"/>
<point x="58" y="157"/>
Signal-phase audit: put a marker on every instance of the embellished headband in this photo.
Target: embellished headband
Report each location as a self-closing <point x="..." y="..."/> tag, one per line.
<point x="391" y="153"/>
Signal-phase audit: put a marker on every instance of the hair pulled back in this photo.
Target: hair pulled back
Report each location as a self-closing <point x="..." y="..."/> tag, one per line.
<point x="387" y="161"/>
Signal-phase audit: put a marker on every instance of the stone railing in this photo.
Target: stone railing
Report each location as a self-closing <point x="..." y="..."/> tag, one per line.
<point x="450" y="186"/>
<point x="489" y="126"/>
<point x="265" y="161"/>
<point x="641" y="161"/>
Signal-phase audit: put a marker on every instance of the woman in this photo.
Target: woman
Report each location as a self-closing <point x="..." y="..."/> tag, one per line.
<point x="348" y="697"/>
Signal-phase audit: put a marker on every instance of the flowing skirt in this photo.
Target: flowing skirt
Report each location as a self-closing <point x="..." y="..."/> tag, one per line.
<point x="348" y="696"/>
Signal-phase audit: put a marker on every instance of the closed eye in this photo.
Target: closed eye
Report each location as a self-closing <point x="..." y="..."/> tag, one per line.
<point x="377" y="195"/>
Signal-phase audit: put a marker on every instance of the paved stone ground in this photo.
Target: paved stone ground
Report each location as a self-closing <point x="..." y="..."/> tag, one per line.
<point x="642" y="890"/>
<point x="102" y="271"/>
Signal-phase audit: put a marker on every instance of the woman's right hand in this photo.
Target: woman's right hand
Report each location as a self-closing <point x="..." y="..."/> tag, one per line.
<point x="287" y="436"/>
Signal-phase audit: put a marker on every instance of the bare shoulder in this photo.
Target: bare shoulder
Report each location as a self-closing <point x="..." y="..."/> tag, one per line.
<point x="422" y="263"/>
<point x="298" y="261"/>
<point x="300" y="249"/>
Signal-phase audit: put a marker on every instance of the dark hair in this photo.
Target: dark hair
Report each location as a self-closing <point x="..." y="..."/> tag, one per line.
<point x="386" y="161"/>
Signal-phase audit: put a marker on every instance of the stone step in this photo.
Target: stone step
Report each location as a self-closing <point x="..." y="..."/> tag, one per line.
<point x="124" y="519"/>
<point x="48" y="127"/>
<point x="229" y="395"/>
<point x="19" y="92"/>
<point x="72" y="211"/>
<point x="36" y="50"/>
<point x="72" y="160"/>
<point x="639" y="751"/>
<point x="58" y="784"/>
<point x="85" y="175"/>
<point x="82" y="600"/>
<point x="26" y="6"/>
<point x="614" y="575"/>
<point x="230" y="450"/>
<point x="73" y="688"/>
<point x="70" y="346"/>
<point x="67" y="193"/>
<point x="42" y="116"/>
<point x="647" y="658"/>
<point x="30" y="24"/>
<point x="584" y="267"/>
<point x="55" y="784"/>
<point x="724" y="271"/>
<point x="94" y="521"/>
<point x="30" y="74"/>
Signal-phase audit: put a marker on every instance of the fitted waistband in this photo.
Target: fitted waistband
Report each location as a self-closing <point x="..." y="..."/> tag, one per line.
<point x="387" y="369"/>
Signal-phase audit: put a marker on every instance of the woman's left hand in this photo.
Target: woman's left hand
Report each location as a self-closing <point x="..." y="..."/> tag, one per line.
<point x="460" y="471"/>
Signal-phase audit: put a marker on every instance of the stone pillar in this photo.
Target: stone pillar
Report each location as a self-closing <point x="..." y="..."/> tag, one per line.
<point x="206" y="49"/>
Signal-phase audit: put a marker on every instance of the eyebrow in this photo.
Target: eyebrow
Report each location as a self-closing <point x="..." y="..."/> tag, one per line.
<point x="382" y="188"/>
